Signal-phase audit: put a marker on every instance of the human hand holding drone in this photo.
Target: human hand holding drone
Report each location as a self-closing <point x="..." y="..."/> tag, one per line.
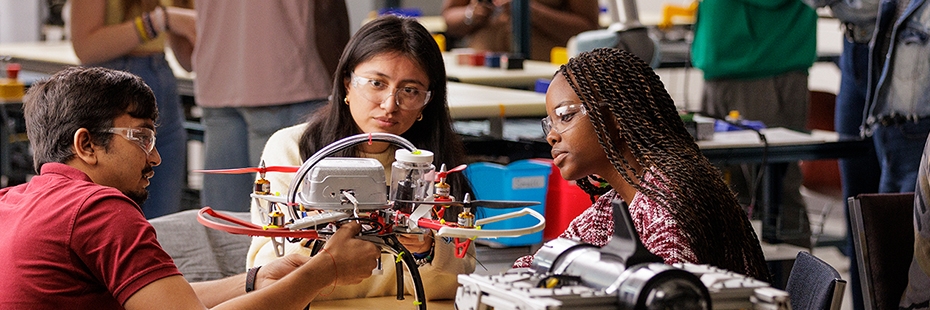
<point x="354" y="253"/>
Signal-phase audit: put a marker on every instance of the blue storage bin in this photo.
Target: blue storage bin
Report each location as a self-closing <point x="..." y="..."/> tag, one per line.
<point x="542" y="85"/>
<point x="525" y="180"/>
<point x="722" y="126"/>
<point x="403" y="12"/>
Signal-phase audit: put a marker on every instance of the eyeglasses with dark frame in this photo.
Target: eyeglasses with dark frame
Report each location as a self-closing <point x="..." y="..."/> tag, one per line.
<point x="143" y="137"/>
<point x="566" y="116"/>
<point x="406" y="98"/>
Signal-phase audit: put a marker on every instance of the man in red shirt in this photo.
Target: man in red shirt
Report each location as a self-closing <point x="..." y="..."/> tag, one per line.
<point x="75" y="237"/>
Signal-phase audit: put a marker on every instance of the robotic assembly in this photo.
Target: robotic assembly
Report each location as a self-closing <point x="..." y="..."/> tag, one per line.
<point x="565" y="274"/>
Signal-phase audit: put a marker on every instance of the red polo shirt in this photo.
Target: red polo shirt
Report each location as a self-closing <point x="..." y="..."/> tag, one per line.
<point x="66" y="242"/>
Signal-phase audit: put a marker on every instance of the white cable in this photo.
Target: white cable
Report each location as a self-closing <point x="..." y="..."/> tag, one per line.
<point x="348" y="195"/>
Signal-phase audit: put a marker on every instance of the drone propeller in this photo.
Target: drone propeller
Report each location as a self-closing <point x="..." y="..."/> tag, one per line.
<point x="290" y="169"/>
<point x="442" y="174"/>
<point x="491" y="204"/>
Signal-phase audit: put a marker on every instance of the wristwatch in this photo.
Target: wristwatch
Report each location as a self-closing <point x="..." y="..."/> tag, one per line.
<point x="422" y="259"/>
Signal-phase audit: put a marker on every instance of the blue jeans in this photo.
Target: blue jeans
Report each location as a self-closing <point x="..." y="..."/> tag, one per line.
<point x="899" y="148"/>
<point x="860" y="174"/>
<point x="171" y="140"/>
<point x="235" y="138"/>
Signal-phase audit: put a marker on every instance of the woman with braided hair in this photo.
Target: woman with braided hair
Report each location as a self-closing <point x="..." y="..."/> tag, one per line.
<point x="614" y="129"/>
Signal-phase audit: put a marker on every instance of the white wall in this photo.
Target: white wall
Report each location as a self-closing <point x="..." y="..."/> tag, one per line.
<point x="359" y="11"/>
<point x="20" y="20"/>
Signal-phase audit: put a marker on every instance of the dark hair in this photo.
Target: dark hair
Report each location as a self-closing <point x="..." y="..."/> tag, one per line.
<point x="77" y="98"/>
<point x="629" y="107"/>
<point x="404" y="36"/>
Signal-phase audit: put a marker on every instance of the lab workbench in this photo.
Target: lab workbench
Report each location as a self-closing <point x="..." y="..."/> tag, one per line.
<point x="466" y="101"/>
<point x="50" y="57"/>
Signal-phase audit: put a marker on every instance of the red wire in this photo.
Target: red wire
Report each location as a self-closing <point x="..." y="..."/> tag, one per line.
<point x="246" y="228"/>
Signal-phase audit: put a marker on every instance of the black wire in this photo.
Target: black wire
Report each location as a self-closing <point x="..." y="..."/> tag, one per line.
<point x="375" y="225"/>
<point x="754" y="184"/>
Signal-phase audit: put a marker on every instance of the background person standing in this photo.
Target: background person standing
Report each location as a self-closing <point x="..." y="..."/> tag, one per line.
<point x="258" y="72"/>
<point x="755" y="55"/>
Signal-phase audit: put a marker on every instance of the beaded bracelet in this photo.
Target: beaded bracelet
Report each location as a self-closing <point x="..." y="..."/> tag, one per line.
<point x="150" y="28"/>
<point x="140" y="28"/>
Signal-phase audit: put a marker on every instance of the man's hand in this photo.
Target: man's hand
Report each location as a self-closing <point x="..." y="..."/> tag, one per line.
<point x="278" y="268"/>
<point x="354" y="258"/>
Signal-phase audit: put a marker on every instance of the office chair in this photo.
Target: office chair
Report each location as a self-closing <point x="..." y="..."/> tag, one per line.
<point x="883" y="238"/>
<point x="814" y="284"/>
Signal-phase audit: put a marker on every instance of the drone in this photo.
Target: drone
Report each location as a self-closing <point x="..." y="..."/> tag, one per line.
<point x="327" y="191"/>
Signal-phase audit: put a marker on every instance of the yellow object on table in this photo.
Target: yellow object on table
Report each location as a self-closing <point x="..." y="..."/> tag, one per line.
<point x="558" y="55"/>
<point x="670" y="11"/>
<point x="441" y="41"/>
<point x="11" y="89"/>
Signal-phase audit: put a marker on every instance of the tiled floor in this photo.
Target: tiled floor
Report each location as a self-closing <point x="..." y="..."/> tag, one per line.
<point x="496" y="260"/>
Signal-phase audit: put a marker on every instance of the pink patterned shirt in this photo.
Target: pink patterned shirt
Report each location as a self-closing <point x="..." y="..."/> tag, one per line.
<point x="657" y="228"/>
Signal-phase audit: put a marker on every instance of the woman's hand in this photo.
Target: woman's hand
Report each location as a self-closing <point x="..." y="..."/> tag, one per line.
<point x="414" y="244"/>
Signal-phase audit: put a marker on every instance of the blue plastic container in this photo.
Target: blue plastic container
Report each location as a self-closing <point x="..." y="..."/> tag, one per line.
<point x="542" y="85"/>
<point x="492" y="60"/>
<point x="722" y="126"/>
<point x="524" y="180"/>
<point x="403" y="12"/>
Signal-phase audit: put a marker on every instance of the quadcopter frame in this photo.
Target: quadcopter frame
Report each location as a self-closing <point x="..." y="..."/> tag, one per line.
<point x="384" y="221"/>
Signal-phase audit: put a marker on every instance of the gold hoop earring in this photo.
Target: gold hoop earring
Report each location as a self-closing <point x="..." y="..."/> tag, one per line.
<point x="420" y="118"/>
<point x="346" y="100"/>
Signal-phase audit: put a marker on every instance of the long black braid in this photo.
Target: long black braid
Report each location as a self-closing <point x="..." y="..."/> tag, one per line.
<point x="630" y="108"/>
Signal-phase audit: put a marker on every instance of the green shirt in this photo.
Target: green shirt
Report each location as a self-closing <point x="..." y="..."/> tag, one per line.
<point x="746" y="39"/>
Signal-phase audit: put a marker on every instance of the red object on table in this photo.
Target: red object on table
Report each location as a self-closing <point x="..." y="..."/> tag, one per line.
<point x="564" y="202"/>
<point x="12" y="70"/>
